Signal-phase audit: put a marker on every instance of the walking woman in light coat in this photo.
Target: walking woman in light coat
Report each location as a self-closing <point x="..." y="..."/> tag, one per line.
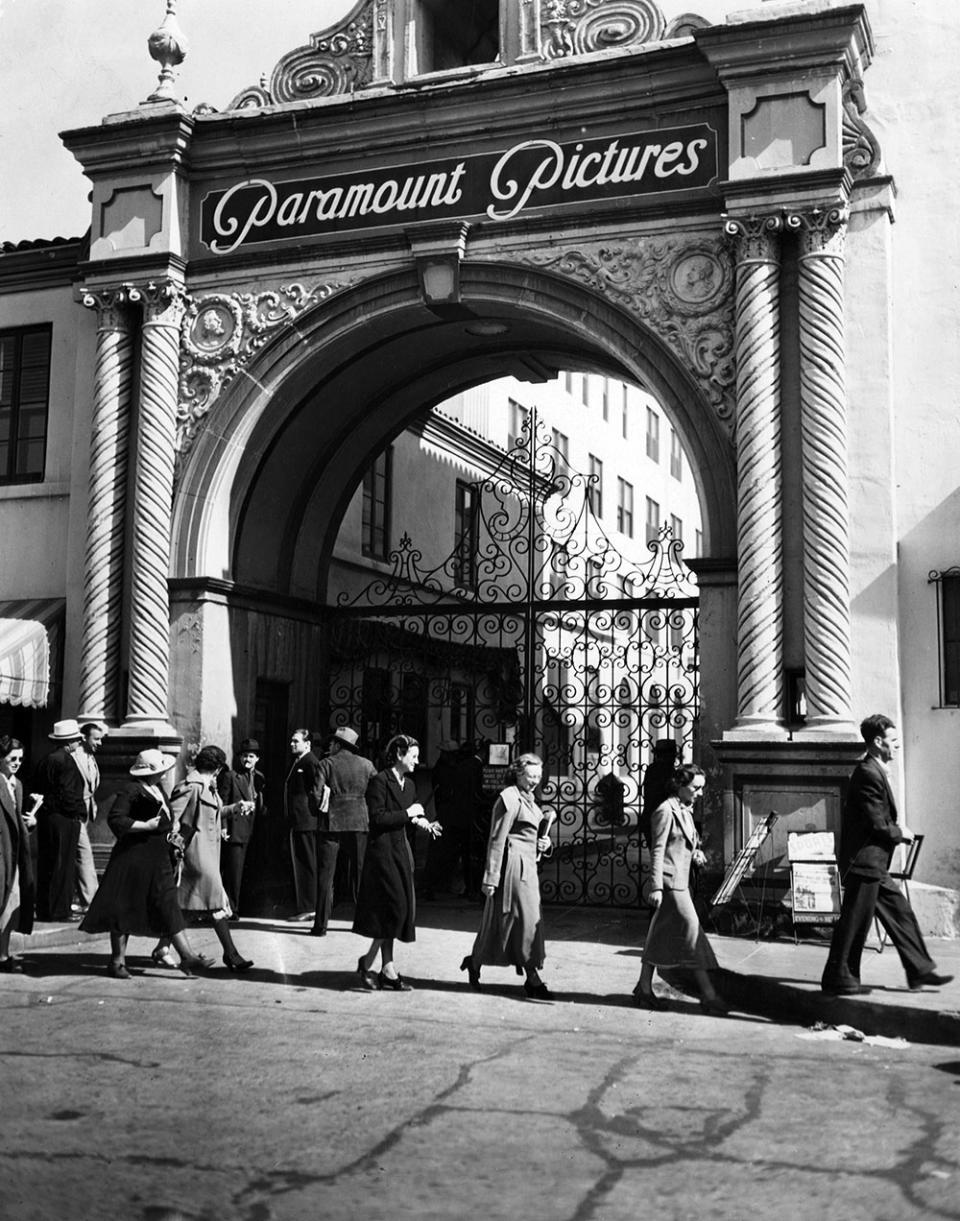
<point x="198" y="817"/>
<point x="511" y="930"/>
<point x="675" y="938"/>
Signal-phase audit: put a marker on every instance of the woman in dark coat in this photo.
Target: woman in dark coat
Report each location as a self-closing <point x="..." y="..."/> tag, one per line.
<point x="138" y="893"/>
<point x="675" y="938"/>
<point x="386" y="903"/>
<point x="16" y="869"/>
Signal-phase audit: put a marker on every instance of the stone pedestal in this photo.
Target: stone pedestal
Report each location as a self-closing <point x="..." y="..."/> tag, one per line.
<point x="803" y="780"/>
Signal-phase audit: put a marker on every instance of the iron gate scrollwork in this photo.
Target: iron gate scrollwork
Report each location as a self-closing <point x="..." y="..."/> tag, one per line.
<point x="536" y="631"/>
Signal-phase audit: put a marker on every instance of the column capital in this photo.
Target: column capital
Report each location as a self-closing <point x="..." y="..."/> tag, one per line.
<point x="755" y="237"/>
<point x="112" y="305"/>
<point x="821" y="230"/>
<point x="164" y="302"/>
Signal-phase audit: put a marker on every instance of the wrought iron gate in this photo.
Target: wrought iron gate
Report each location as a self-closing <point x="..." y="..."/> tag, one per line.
<point x="535" y="633"/>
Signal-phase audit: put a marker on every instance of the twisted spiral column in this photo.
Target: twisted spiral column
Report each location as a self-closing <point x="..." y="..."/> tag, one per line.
<point x="760" y="695"/>
<point x="149" y="653"/>
<point x="826" y="520"/>
<point x="106" y="506"/>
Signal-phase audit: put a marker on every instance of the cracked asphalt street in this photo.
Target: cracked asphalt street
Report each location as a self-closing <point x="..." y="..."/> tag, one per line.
<point x="290" y="1093"/>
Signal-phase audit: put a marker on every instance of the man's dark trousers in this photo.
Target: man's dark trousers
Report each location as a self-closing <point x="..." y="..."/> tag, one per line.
<point x="864" y="897"/>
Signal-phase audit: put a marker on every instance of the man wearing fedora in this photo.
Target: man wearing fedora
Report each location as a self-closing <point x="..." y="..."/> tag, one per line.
<point x="343" y="824"/>
<point x="59" y="781"/>
<point x="240" y="788"/>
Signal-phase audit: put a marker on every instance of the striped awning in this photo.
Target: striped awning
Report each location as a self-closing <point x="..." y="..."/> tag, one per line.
<point x="30" y="636"/>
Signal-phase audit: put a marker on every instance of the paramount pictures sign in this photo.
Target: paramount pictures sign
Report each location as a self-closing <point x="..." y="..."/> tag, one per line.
<point x="537" y="173"/>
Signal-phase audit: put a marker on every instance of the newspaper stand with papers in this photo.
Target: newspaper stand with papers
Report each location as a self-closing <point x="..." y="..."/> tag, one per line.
<point x="814" y="878"/>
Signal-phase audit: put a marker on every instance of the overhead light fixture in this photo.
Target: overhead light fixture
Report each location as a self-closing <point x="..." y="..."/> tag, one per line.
<point x="486" y="327"/>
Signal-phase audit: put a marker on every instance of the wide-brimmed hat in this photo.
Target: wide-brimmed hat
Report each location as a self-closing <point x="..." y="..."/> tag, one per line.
<point x="451" y="745"/>
<point x="65" y="731"/>
<point x="152" y="763"/>
<point x="249" y="746"/>
<point x="346" y="735"/>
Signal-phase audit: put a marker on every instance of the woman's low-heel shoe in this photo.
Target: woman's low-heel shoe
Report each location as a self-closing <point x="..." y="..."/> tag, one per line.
<point x="233" y="962"/>
<point x="190" y="965"/>
<point x="473" y="973"/>
<point x="116" y="970"/>
<point x="163" y="958"/>
<point x="368" y="979"/>
<point x="649" y="1000"/>
<point x="394" y="985"/>
<point x="538" y="991"/>
<point x="714" y="1005"/>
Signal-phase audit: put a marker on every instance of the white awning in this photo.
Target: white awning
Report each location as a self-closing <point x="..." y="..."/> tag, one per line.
<point x="30" y="635"/>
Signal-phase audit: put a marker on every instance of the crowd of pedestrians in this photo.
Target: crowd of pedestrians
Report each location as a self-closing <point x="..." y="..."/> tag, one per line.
<point x="181" y="851"/>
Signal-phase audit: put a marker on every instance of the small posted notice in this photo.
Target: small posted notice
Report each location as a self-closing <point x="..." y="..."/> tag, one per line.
<point x="815" y="892"/>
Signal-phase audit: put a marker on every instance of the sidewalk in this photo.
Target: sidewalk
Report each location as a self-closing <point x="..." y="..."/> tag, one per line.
<point x="778" y="979"/>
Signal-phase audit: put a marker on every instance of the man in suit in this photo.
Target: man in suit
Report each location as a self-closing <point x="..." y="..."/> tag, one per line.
<point x="60" y="783"/>
<point x="869" y="833"/>
<point x="343" y="825"/>
<point x="241" y="788"/>
<point x="86" y="760"/>
<point x="301" y="803"/>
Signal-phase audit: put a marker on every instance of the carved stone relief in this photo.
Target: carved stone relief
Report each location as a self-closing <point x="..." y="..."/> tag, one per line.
<point x="575" y="27"/>
<point x="338" y="60"/>
<point x="681" y="289"/>
<point x="861" y="150"/>
<point x="219" y="335"/>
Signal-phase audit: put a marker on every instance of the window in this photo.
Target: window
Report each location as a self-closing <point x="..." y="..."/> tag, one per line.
<point x="561" y="444"/>
<point x="466" y="535"/>
<point x="676" y="455"/>
<point x="519" y="415"/>
<point x="625" y="415"/>
<point x="625" y="507"/>
<point x="24" y="390"/>
<point x="606" y="399"/>
<point x="948" y="611"/>
<point x="653" y="435"/>
<point x="568" y="382"/>
<point x="676" y="526"/>
<point x="595" y="487"/>
<point x="376" y="506"/>
<point x="449" y="34"/>
<point x="653" y="519"/>
<point x="585" y="390"/>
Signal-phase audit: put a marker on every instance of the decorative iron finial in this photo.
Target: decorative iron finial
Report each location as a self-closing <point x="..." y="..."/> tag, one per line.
<point x="168" y="46"/>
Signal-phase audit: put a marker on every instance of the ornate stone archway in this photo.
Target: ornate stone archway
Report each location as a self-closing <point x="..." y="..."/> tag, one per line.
<point x="691" y="237"/>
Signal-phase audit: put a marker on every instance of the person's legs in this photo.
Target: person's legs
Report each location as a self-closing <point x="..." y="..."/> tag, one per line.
<point x="231" y="871"/>
<point x="58" y="854"/>
<point x="86" y="871"/>
<point x="896" y="915"/>
<point x="842" y="969"/>
<point x="328" y="846"/>
<point x="232" y="958"/>
<point x="303" y="846"/>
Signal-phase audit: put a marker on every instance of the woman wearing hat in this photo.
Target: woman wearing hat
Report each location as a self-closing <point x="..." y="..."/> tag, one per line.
<point x="138" y="893"/>
<point x="198" y="816"/>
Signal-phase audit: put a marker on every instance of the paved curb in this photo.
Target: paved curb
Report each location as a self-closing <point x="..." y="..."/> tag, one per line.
<point x="771" y="998"/>
<point x="52" y="936"/>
